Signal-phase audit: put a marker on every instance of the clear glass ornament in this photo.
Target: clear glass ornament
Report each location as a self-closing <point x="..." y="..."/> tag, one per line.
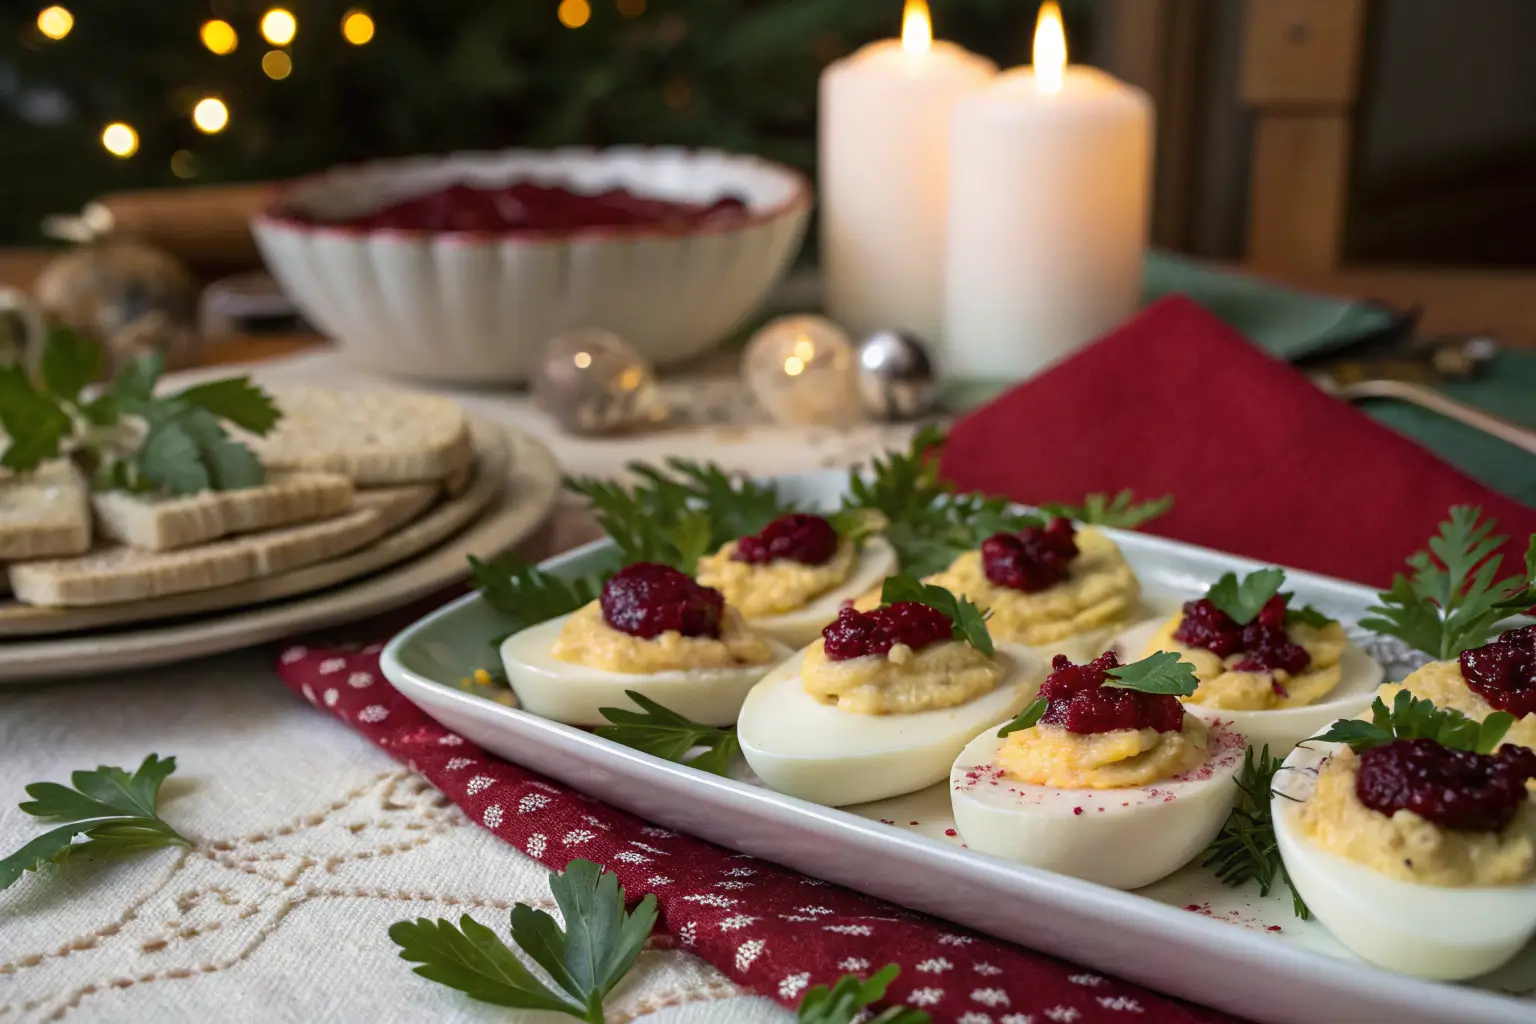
<point x="801" y="369"/>
<point x="594" y="382"/>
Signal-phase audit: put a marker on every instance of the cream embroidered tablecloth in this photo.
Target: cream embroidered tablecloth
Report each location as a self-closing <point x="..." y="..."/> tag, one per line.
<point x="310" y="842"/>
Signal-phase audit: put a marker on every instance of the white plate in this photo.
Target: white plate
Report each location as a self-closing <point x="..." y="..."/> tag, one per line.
<point x="1187" y="935"/>
<point x="530" y="492"/>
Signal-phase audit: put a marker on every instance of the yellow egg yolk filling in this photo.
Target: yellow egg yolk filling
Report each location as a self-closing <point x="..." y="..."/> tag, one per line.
<point x="1406" y="847"/>
<point x="1049" y="755"/>
<point x="903" y="681"/>
<point x="587" y="639"/>
<point x="1443" y="683"/>
<point x="778" y="587"/>
<point x="1225" y="688"/>
<point x="1100" y="593"/>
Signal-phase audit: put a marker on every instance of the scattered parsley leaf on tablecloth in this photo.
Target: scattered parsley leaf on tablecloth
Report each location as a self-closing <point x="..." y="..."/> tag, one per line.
<point x="1162" y="672"/>
<point x="598" y="945"/>
<point x="1452" y="600"/>
<point x="847" y="998"/>
<point x="970" y="625"/>
<point x="664" y="733"/>
<point x="1246" y="849"/>
<point x="113" y="810"/>
<point x="1123" y="510"/>
<point x="1412" y="718"/>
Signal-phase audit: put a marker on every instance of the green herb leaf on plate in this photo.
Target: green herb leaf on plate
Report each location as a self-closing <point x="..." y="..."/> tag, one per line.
<point x="525" y="595"/>
<point x="69" y="362"/>
<point x="662" y="732"/>
<point x="1026" y="719"/>
<point x="1246" y="849"/>
<point x="848" y="997"/>
<point x="1123" y="510"/>
<point x="1161" y="672"/>
<point x="236" y="400"/>
<point x="1243" y="600"/>
<point x="1412" y="718"/>
<point x="1305" y="615"/>
<point x="34" y="423"/>
<point x="970" y="625"/>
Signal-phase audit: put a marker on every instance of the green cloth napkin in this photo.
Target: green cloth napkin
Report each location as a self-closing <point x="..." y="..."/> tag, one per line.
<point x="1292" y="325"/>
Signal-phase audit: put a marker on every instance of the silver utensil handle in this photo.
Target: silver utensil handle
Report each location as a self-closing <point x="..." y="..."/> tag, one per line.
<point x="1521" y="437"/>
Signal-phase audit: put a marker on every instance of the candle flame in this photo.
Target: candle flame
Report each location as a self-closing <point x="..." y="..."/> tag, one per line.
<point x="1050" y="49"/>
<point x="916" y="27"/>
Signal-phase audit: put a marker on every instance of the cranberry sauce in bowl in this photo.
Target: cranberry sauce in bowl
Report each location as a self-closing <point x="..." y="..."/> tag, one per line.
<point x="1078" y="700"/>
<point x="857" y="634"/>
<point x="797" y="537"/>
<point x="647" y="599"/>
<point x="1503" y="671"/>
<point x="1455" y="789"/>
<point x="1034" y="559"/>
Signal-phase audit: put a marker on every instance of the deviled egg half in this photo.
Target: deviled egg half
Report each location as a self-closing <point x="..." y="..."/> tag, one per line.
<point x="1050" y="586"/>
<point x="1419" y="854"/>
<point x="1498" y="676"/>
<point x="790" y="579"/>
<point x="654" y="630"/>
<point x="1098" y="779"/>
<point x="1277" y="673"/>
<point x="882" y="703"/>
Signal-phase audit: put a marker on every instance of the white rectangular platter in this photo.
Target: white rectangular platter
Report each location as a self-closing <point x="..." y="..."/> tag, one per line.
<point x="1187" y="935"/>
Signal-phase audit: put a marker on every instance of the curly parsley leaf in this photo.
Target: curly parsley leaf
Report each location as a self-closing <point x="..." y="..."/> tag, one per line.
<point x="236" y="400"/>
<point x="525" y="595"/>
<point x="1305" y="615"/>
<point x="1026" y="719"/>
<point x="850" y="995"/>
<point x="34" y="423"/>
<point x="598" y="946"/>
<point x="115" y="811"/>
<point x="1123" y="510"/>
<point x="662" y="732"/>
<point x="1451" y="600"/>
<point x="1242" y="600"/>
<point x="970" y="625"/>
<point x="70" y="361"/>
<point x="1245" y="849"/>
<point x="1162" y="672"/>
<point x="1412" y="718"/>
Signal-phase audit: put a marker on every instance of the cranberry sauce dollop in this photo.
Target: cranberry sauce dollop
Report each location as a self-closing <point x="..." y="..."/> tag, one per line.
<point x="855" y="634"/>
<point x="527" y="206"/>
<point x="1263" y="642"/>
<point x="798" y="537"/>
<point x="1078" y="700"/>
<point x="1455" y="789"/>
<point x="1034" y="559"/>
<point x="1503" y="671"/>
<point x="646" y="600"/>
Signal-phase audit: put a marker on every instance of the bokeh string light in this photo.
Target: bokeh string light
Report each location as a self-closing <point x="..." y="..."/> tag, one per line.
<point x="219" y="36"/>
<point x="357" y="27"/>
<point x="277" y="65"/>
<point x="55" y="22"/>
<point x="210" y="115"/>
<point x="630" y="8"/>
<point x="119" y="139"/>
<point x="279" y="26"/>
<point x="574" y="13"/>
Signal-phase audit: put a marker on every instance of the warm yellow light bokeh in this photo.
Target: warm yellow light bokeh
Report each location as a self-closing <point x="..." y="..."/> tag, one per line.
<point x="55" y="22"/>
<point x="279" y="26"/>
<point x="119" y="139"/>
<point x="357" y="27"/>
<point x="210" y="115"/>
<point x="219" y="36"/>
<point x="916" y="27"/>
<point x="574" y="13"/>
<point x="277" y="64"/>
<point x="184" y="164"/>
<point x="630" y="8"/>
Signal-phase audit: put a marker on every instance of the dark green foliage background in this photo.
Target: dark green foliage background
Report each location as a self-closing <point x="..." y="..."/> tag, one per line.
<point x="439" y="75"/>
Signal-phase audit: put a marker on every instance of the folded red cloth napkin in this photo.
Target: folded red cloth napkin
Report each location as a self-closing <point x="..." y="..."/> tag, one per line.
<point x="1260" y="462"/>
<point x="771" y="930"/>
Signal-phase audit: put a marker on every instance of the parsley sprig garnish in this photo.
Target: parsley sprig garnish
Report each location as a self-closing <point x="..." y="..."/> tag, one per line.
<point x="1026" y="719"/>
<point x="664" y="733"/>
<point x="927" y="523"/>
<point x="1162" y="672"/>
<point x="1243" y="599"/>
<point x="678" y="514"/>
<point x="970" y="625"/>
<point x="842" y="1003"/>
<point x="1123" y="510"/>
<point x="525" y="595"/>
<point x="127" y="437"/>
<point x="1245" y="850"/>
<point x="113" y="810"/>
<point x="1412" y="718"/>
<point x="1452" y="600"/>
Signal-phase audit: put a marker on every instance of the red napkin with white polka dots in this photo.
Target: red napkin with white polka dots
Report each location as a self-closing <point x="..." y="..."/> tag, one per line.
<point x="772" y="931"/>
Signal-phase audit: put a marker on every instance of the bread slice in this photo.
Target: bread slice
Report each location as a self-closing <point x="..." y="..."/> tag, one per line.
<point x="377" y="438"/>
<point x="398" y="505"/>
<point x="164" y="524"/>
<point x="44" y="514"/>
<point x="117" y="574"/>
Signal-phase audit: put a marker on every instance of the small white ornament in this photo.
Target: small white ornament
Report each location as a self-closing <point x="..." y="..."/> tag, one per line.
<point x="802" y="370"/>
<point x="594" y="382"/>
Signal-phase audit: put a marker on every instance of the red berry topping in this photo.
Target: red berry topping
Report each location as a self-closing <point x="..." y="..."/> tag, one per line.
<point x="798" y="537"/>
<point x="1078" y="700"/>
<point x="1263" y="642"/>
<point x="1455" y="789"/>
<point x="1503" y="671"/>
<point x="855" y="634"/>
<point x="1034" y="559"/>
<point x="646" y="600"/>
<point x="525" y="205"/>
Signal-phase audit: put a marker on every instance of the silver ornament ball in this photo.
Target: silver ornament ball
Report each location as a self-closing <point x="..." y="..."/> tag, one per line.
<point x="896" y="378"/>
<point x="591" y="381"/>
<point x="801" y="370"/>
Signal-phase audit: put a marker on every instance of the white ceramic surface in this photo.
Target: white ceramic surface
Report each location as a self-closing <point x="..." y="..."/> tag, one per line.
<point x="478" y="308"/>
<point x="1187" y="934"/>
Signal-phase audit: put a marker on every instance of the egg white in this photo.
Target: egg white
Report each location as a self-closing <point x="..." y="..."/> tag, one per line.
<point x="818" y="752"/>
<point x="571" y="693"/>
<point x="802" y="627"/>
<point x="1281" y="728"/>
<point x="1445" y="933"/>
<point x="1123" y="838"/>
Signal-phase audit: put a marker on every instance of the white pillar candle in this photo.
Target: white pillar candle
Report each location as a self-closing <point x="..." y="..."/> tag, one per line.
<point x="1049" y="200"/>
<point x="884" y="149"/>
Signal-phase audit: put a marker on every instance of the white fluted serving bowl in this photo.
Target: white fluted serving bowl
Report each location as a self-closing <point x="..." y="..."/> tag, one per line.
<point x="476" y="307"/>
